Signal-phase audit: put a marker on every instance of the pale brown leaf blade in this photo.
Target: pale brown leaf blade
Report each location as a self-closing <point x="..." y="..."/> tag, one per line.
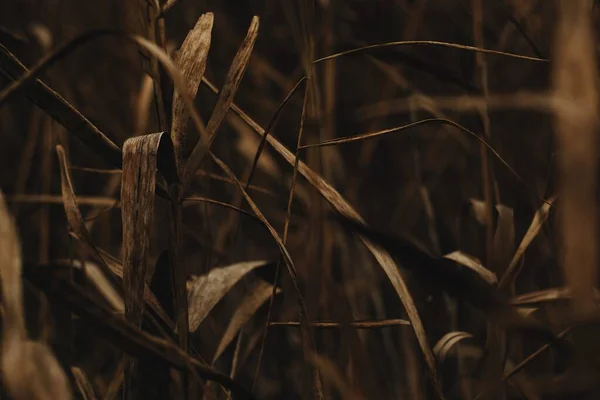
<point x="447" y="342"/>
<point x="191" y="60"/>
<point x="258" y="294"/>
<point x="206" y="291"/>
<point x="474" y="264"/>
<point x="29" y="369"/>
<point x="547" y="295"/>
<point x="232" y="82"/>
<point x="534" y="228"/>
<point x="346" y="210"/>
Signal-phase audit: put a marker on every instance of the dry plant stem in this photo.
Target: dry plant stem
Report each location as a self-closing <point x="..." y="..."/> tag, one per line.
<point x="575" y="78"/>
<point x="388" y="323"/>
<point x="383" y="257"/>
<point x="284" y="239"/>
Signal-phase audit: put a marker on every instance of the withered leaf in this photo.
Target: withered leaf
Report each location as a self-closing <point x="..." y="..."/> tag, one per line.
<point x="205" y="291"/>
<point x="258" y="294"/>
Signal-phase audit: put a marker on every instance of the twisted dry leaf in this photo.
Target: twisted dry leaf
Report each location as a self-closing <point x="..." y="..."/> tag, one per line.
<point x="140" y="164"/>
<point x="445" y="344"/>
<point x="205" y="291"/>
<point x="259" y="293"/>
<point x="191" y="60"/>
<point x="29" y="369"/>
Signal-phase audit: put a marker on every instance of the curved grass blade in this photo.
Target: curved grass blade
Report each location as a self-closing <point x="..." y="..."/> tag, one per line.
<point x="539" y="218"/>
<point x="205" y="291"/>
<point x="449" y="340"/>
<point x="29" y="369"/>
<point x="83" y="384"/>
<point x="474" y="264"/>
<point x="232" y="82"/>
<point x="429" y="43"/>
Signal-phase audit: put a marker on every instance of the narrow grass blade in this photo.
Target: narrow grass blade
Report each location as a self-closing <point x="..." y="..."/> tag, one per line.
<point x="534" y="228"/>
<point x="206" y="291"/>
<point x="83" y="384"/>
<point x="234" y="77"/>
<point x="428" y="43"/>
<point x="258" y="294"/>
<point x="474" y="264"/>
<point x="191" y="60"/>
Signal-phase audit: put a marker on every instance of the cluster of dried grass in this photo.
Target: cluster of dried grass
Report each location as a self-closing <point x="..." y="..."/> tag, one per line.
<point x="145" y="322"/>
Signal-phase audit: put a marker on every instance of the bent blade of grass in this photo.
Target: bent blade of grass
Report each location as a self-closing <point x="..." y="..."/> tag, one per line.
<point x="232" y="83"/>
<point x="429" y="43"/>
<point x="140" y="165"/>
<point x="258" y="294"/>
<point x="385" y="323"/>
<point x="539" y="218"/>
<point x="29" y="369"/>
<point x="473" y="264"/>
<point x="308" y="345"/>
<point x="205" y="291"/>
<point x="370" y="135"/>
<point x="74" y="218"/>
<point x="346" y="210"/>
<point x="447" y="342"/>
<point x="191" y="60"/>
